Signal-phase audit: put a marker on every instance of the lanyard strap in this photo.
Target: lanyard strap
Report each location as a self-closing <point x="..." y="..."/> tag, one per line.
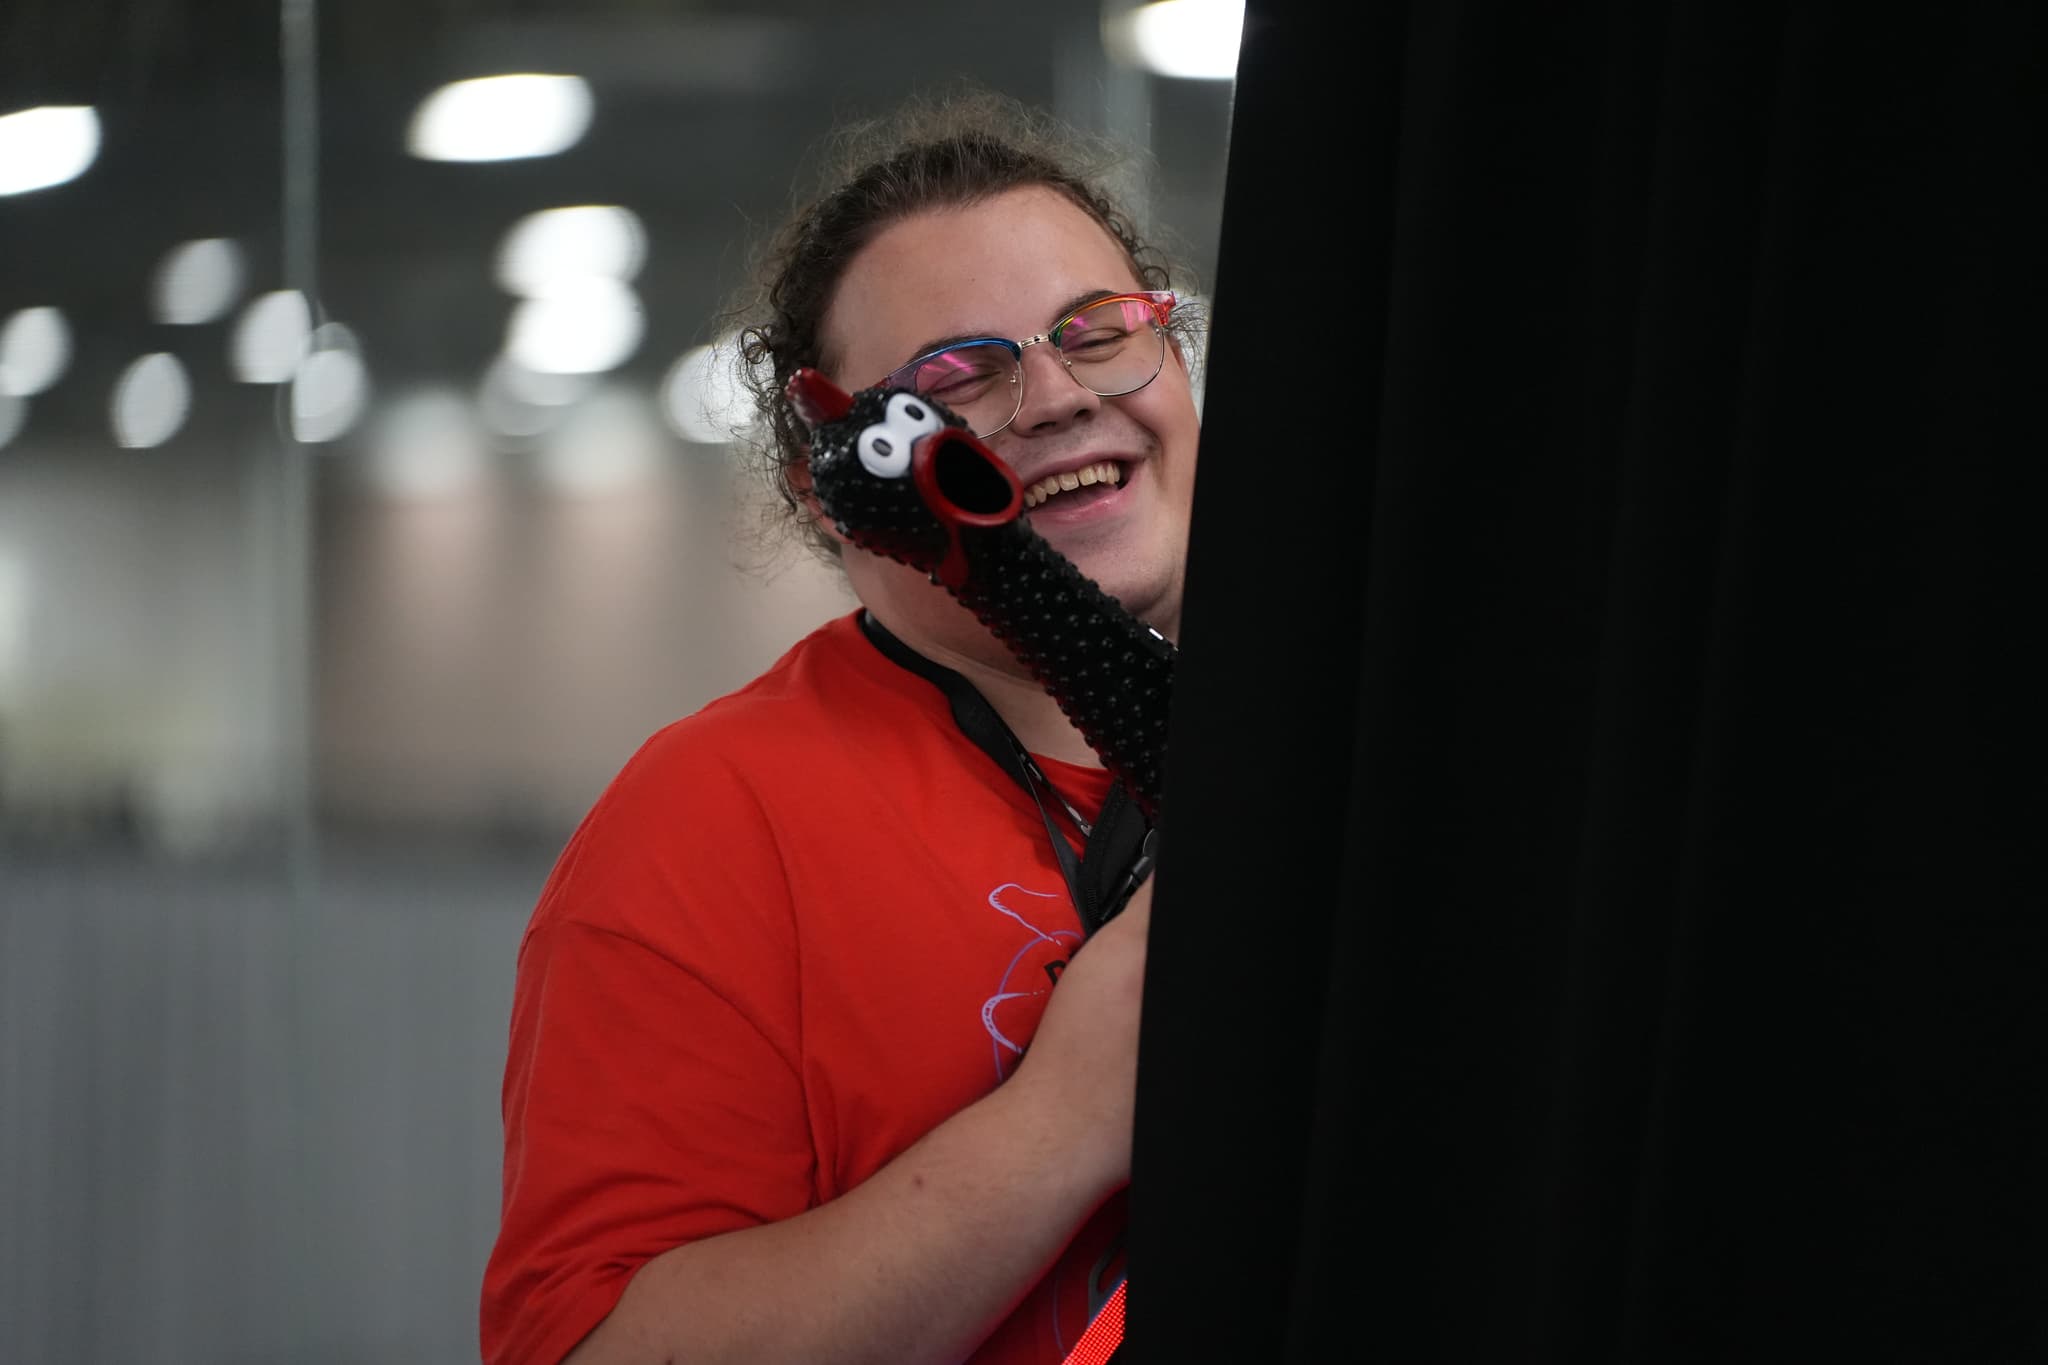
<point x="1119" y="846"/>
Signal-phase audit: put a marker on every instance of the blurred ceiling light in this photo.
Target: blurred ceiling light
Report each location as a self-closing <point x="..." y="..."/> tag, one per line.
<point x="13" y="416"/>
<point x="499" y="118"/>
<point x="609" y="443"/>
<point x="516" y="401"/>
<point x="47" y="146"/>
<point x="508" y="414"/>
<point x="1193" y="39"/>
<point x="532" y="386"/>
<point x="150" y="401"/>
<point x="545" y="249"/>
<point x="587" y="327"/>
<point x="702" y="397"/>
<point x="271" y="338"/>
<point x="330" y="388"/>
<point x="35" y="346"/>
<point x="198" y="281"/>
<point x="425" y="444"/>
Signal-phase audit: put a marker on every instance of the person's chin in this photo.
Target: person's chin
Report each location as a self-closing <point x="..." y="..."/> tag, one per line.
<point x="1151" y="595"/>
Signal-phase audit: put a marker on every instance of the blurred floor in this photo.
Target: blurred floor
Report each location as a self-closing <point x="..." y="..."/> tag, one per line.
<point x="235" y="1128"/>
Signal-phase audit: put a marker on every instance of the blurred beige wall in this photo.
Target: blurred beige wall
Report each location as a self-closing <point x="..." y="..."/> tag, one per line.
<point x="492" y="657"/>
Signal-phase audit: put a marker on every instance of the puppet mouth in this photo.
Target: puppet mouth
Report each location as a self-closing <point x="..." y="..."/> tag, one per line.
<point x="964" y="482"/>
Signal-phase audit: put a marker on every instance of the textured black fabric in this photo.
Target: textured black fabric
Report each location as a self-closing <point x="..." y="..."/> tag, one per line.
<point x="1618" y="540"/>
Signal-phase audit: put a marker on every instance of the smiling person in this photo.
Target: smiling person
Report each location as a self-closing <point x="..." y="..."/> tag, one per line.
<point x="813" y="1057"/>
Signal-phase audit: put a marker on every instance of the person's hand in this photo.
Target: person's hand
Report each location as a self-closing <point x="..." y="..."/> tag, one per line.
<point x="1084" y="1058"/>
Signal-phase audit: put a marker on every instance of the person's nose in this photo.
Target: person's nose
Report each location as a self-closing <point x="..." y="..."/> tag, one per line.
<point x="1052" y="396"/>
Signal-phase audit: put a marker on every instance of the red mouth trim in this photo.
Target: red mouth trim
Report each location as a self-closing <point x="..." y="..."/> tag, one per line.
<point x="963" y="484"/>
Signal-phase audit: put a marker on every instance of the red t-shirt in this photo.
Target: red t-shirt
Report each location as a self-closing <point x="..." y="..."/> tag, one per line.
<point x="799" y="930"/>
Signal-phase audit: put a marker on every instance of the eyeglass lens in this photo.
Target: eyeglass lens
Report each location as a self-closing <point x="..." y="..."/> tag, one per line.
<point x="1113" y="347"/>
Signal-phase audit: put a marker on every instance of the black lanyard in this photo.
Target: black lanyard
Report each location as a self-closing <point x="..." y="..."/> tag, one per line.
<point x="1118" y="847"/>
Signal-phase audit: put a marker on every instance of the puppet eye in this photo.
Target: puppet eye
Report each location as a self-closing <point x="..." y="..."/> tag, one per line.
<point x="885" y="453"/>
<point x="884" y="448"/>
<point x="913" y="414"/>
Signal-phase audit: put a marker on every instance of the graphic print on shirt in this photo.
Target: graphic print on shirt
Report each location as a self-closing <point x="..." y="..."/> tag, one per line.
<point x="1011" y="1014"/>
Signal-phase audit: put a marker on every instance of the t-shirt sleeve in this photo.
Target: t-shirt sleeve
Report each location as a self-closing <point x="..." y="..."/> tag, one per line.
<point x="653" y="1092"/>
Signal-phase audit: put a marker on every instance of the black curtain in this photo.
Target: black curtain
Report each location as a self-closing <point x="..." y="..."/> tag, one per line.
<point x="1600" y="916"/>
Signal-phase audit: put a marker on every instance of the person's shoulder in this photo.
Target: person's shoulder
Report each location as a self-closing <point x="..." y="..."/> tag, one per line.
<point x="715" y="777"/>
<point x="689" y="801"/>
<point x="807" y="694"/>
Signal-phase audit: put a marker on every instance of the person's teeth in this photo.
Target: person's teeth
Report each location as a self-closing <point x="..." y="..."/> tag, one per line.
<point x="1105" y="471"/>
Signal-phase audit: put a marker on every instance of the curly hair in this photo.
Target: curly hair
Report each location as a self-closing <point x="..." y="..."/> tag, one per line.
<point x="941" y="152"/>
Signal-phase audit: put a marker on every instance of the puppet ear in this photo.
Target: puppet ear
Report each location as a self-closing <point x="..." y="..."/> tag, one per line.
<point x="816" y="399"/>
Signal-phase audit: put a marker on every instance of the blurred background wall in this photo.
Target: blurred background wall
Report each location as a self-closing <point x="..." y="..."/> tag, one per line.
<point x="360" y="512"/>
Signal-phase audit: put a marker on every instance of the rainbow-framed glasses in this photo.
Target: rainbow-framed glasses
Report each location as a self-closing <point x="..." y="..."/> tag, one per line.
<point x="1111" y="346"/>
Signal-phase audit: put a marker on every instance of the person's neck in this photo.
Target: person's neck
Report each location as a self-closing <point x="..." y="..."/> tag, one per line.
<point x="1023" y="703"/>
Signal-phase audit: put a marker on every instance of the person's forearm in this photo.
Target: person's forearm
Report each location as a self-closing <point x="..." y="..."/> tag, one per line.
<point x="918" y="1263"/>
